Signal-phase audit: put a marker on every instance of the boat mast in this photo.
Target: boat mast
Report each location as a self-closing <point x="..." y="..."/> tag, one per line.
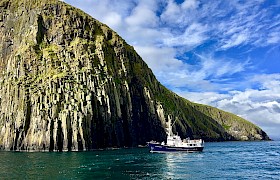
<point x="169" y="127"/>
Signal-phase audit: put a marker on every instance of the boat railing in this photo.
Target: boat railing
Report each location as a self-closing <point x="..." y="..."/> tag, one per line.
<point x="193" y="141"/>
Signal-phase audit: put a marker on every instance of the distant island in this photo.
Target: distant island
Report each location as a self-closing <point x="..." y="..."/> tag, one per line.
<point x="69" y="82"/>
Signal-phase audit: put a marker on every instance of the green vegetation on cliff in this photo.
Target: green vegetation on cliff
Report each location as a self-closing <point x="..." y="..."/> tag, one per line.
<point x="68" y="82"/>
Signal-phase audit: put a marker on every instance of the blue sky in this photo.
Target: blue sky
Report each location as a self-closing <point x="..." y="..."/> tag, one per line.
<point x="222" y="53"/>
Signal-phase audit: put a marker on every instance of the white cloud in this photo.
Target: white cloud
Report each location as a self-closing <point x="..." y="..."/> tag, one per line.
<point x="235" y="40"/>
<point x="143" y="15"/>
<point x="180" y="15"/>
<point x="218" y="67"/>
<point x="114" y="19"/>
<point x="260" y="106"/>
<point x="210" y="97"/>
<point x="172" y="12"/>
<point x="273" y="38"/>
<point x="176" y="73"/>
<point x="160" y="59"/>
<point x="193" y="36"/>
<point x="190" y="4"/>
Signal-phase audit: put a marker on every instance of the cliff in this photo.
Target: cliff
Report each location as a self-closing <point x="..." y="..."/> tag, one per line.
<point x="68" y="82"/>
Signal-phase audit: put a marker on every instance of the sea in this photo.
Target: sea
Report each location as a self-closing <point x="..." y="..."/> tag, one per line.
<point x="219" y="160"/>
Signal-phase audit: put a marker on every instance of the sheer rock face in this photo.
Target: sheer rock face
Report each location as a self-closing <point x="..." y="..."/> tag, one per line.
<point x="68" y="82"/>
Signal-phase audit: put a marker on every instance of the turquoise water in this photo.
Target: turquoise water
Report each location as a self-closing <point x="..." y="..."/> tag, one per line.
<point x="227" y="160"/>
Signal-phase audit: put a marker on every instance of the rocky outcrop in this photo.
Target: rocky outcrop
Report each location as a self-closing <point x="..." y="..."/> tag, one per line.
<point x="68" y="82"/>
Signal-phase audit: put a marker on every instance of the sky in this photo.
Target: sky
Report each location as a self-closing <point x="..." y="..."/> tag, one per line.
<point x="221" y="53"/>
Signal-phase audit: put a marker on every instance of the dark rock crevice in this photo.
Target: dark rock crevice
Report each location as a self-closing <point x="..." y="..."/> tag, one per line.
<point x="41" y="30"/>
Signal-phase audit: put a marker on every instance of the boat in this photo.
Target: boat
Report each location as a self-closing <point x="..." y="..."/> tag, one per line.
<point x="174" y="143"/>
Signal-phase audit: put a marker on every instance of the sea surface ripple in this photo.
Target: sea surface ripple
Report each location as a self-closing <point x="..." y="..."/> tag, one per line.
<point x="223" y="160"/>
